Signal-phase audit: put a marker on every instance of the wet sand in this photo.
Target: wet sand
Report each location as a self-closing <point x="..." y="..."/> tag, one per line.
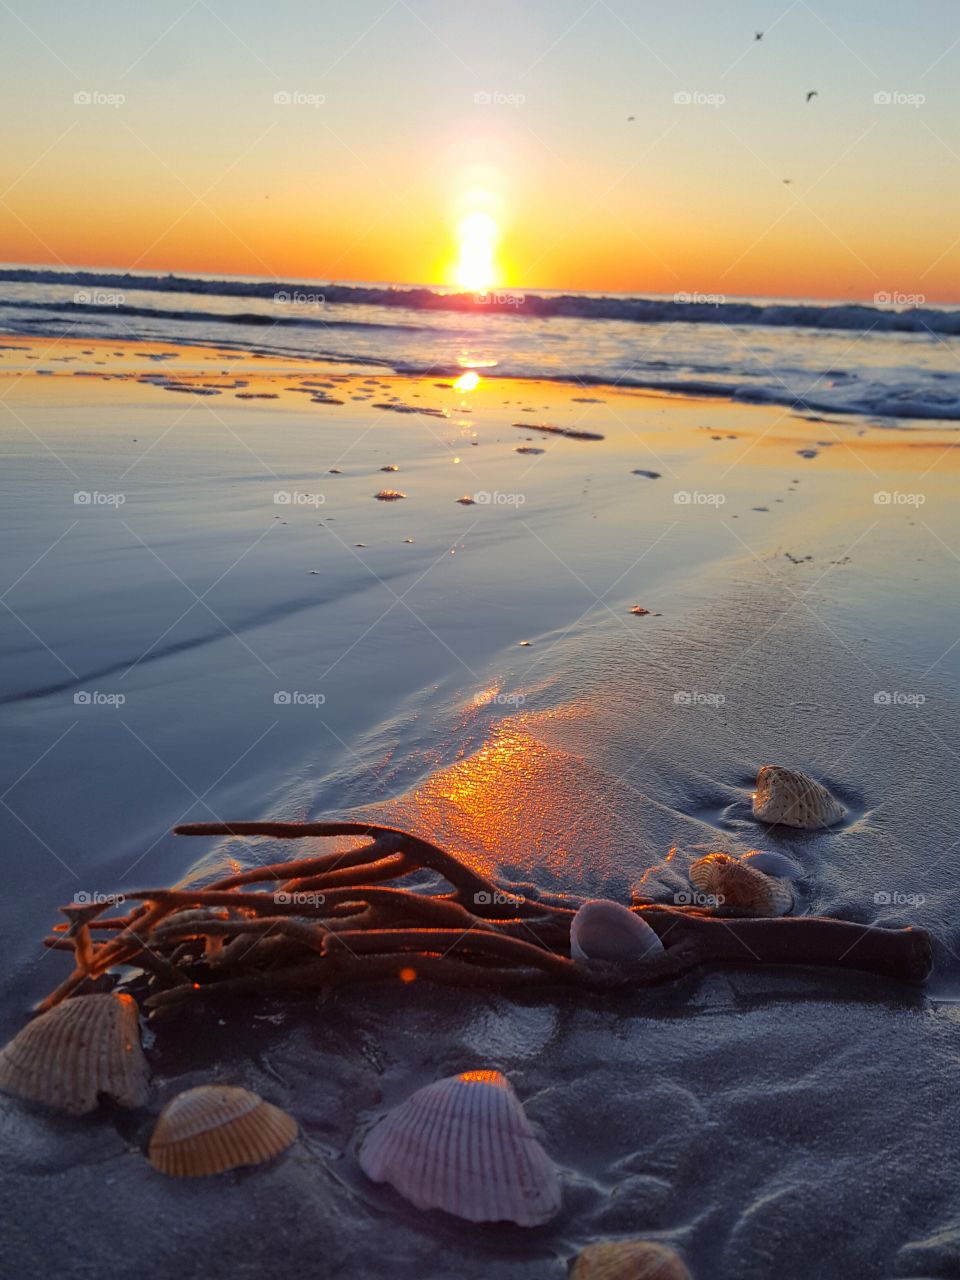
<point x="474" y="672"/>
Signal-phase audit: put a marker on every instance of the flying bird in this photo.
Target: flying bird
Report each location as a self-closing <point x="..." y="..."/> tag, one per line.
<point x="758" y="35"/>
<point x="786" y="181"/>
<point x="812" y="94"/>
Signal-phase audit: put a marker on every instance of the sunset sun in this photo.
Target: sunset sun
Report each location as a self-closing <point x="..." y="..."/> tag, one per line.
<point x="477" y="236"/>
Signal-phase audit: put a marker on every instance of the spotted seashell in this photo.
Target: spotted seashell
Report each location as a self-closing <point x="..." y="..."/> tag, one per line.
<point x="772" y="864"/>
<point x="628" y="1260"/>
<point x="606" y="933"/>
<point x="737" y="889"/>
<point x="213" y="1128"/>
<point x="793" y="799"/>
<point x="70" y="1055"/>
<point x="465" y="1145"/>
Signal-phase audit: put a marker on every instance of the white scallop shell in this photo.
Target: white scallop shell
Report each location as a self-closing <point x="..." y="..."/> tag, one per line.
<point x="772" y="864"/>
<point x="793" y="799"/>
<point x="606" y="932"/>
<point x="68" y="1056"/>
<point x="465" y="1145"/>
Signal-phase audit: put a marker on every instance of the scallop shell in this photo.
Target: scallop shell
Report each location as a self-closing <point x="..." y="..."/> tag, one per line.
<point x="793" y="799"/>
<point x="738" y="888"/>
<point x="464" y="1144"/>
<point x="68" y="1056"/>
<point x="772" y="864"/>
<point x="629" y="1260"/>
<point x="606" y="932"/>
<point x="217" y="1127"/>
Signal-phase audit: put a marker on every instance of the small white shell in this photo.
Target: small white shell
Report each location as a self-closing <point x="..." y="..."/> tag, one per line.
<point x="793" y="799"/>
<point x="628" y="1260"/>
<point x="213" y="1128"/>
<point x="76" y="1051"/>
<point x="465" y="1145"/>
<point x="736" y="889"/>
<point x="606" y="932"/>
<point x="772" y="864"/>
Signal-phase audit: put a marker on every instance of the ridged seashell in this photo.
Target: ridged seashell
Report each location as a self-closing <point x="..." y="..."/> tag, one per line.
<point x="606" y="932"/>
<point x="68" y="1056"/>
<point x="772" y="864"/>
<point x="217" y="1127"/>
<point x="738" y="888"/>
<point x="793" y="799"/>
<point x="629" y="1260"/>
<point x="464" y="1144"/>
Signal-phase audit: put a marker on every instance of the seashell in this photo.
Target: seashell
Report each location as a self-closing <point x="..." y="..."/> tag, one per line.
<point x="606" y="932"/>
<point x="772" y="864"/>
<point x="629" y="1260"/>
<point x="793" y="799"/>
<point x="738" y="888"/>
<point x="68" y="1056"/>
<point x="217" y="1127"/>
<point x="465" y="1145"/>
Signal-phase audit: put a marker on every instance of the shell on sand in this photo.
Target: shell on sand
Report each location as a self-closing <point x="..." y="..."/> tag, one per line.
<point x="628" y="1260"/>
<point x="791" y="798"/>
<point x="213" y="1128"/>
<point x="607" y="932"/>
<point x="465" y="1145"/>
<point x="738" y="888"/>
<point x="76" y="1051"/>
<point x="772" y="864"/>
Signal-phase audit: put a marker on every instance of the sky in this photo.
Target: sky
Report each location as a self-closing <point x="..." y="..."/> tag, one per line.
<point x="490" y="145"/>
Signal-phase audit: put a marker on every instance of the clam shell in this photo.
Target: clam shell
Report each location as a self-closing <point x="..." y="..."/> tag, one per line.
<point x="629" y="1260"/>
<point x="68" y="1056"/>
<point x="772" y="864"/>
<point x="793" y="799"/>
<point x="739" y="889"/>
<point x="465" y="1145"/>
<point x="607" y="932"/>
<point x="217" y="1127"/>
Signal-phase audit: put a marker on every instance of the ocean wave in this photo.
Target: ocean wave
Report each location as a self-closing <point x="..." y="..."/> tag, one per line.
<point x="683" y="308"/>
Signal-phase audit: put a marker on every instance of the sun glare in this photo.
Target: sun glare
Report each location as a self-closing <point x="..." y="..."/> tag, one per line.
<point x="475" y="268"/>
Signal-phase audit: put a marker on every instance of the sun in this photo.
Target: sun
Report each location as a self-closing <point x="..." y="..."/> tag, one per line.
<point x="477" y="236"/>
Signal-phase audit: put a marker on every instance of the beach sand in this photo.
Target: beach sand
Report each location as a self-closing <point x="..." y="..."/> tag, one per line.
<point x="473" y="672"/>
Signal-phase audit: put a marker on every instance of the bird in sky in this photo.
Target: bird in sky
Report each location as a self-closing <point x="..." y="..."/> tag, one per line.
<point x="786" y="181"/>
<point x="758" y="35"/>
<point x="812" y="94"/>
